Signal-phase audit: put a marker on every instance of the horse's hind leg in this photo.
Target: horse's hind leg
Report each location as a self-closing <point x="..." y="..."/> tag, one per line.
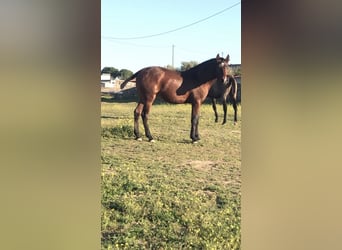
<point x="137" y="112"/>
<point x="233" y="100"/>
<point x="213" y="101"/>
<point x="224" y="103"/>
<point x="144" y="116"/>
<point x="235" y="110"/>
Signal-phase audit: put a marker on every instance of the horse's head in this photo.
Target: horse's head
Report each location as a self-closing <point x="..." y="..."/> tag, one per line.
<point x="222" y="68"/>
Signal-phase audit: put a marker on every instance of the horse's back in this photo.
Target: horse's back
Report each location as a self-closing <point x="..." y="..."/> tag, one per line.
<point x="156" y="76"/>
<point x="158" y="80"/>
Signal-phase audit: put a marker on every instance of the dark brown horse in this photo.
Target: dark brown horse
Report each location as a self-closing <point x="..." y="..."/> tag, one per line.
<point x="221" y="91"/>
<point x="190" y="86"/>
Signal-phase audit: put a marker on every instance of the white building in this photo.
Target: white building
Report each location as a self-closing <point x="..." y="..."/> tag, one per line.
<point x="107" y="81"/>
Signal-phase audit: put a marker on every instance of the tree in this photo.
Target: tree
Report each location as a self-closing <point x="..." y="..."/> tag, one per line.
<point x="188" y="65"/>
<point x="114" y="72"/>
<point x="170" y="67"/>
<point x="237" y="72"/>
<point x="125" y="73"/>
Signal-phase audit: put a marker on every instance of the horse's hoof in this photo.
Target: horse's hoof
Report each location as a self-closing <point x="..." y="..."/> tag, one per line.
<point x="139" y="139"/>
<point x="152" y="140"/>
<point x="195" y="141"/>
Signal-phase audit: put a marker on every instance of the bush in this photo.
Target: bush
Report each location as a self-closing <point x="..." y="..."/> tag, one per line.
<point x="123" y="131"/>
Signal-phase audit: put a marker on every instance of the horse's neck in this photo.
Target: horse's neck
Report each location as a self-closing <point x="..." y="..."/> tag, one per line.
<point x="211" y="82"/>
<point x="200" y="74"/>
<point x="209" y="88"/>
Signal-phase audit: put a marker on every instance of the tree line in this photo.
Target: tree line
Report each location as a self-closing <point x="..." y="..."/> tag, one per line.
<point x="114" y="72"/>
<point x="123" y="74"/>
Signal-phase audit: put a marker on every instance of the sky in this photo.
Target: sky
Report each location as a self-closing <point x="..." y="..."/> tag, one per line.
<point x="125" y="22"/>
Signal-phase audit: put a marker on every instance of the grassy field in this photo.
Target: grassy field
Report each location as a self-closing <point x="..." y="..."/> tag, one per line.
<point x="170" y="194"/>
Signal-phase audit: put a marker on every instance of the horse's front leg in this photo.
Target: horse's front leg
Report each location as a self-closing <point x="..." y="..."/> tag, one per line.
<point x="194" y="135"/>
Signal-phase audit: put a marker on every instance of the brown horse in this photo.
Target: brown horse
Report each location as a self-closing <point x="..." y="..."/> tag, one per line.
<point x="221" y="91"/>
<point x="190" y="86"/>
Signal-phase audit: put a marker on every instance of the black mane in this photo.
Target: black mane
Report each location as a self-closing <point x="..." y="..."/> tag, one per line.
<point x="201" y="73"/>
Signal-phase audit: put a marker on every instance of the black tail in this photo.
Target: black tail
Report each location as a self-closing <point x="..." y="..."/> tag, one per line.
<point x="128" y="79"/>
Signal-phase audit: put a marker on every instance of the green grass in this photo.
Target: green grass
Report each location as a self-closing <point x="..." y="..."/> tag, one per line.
<point x="170" y="194"/>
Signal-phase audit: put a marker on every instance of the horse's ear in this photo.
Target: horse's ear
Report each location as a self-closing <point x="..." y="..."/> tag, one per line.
<point x="227" y="58"/>
<point x="217" y="56"/>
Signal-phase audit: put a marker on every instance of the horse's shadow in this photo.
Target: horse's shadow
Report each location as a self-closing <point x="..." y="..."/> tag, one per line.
<point x="107" y="117"/>
<point x="187" y="142"/>
<point x="115" y="98"/>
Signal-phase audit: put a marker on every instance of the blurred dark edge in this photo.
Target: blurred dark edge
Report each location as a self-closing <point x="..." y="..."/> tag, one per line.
<point x="50" y="124"/>
<point x="291" y="122"/>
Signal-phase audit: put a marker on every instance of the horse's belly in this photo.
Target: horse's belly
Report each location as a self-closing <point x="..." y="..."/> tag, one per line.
<point x="172" y="97"/>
